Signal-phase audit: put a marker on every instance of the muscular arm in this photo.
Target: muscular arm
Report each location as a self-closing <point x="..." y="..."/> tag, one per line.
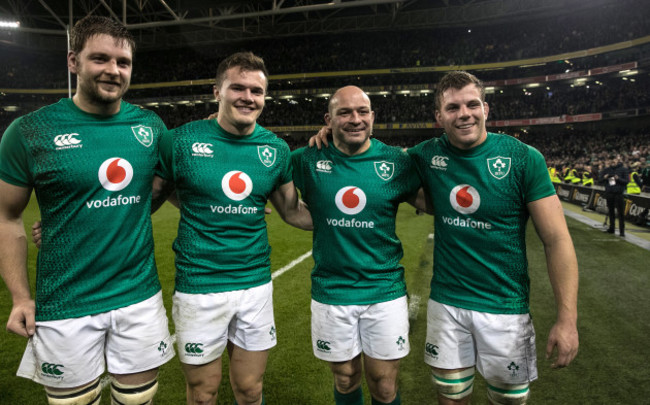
<point x="421" y="201"/>
<point x="13" y="258"/>
<point x="162" y="190"/>
<point x="291" y="208"/>
<point x="548" y="217"/>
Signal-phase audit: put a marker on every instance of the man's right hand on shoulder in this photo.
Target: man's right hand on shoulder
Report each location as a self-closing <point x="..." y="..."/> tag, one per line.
<point x="320" y="138"/>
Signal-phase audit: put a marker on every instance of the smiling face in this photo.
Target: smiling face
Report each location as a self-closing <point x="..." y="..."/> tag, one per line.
<point x="241" y="99"/>
<point x="350" y="119"/>
<point x="462" y="113"/>
<point x="103" y="69"/>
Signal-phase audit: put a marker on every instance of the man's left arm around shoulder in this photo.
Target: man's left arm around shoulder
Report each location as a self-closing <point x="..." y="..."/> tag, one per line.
<point x="290" y="207"/>
<point x="562" y="264"/>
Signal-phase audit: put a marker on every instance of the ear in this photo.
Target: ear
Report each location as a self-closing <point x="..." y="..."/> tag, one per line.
<point x="486" y="107"/>
<point x="72" y="62"/>
<point x="328" y="120"/>
<point x="437" y="115"/>
<point x="215" y="91"/>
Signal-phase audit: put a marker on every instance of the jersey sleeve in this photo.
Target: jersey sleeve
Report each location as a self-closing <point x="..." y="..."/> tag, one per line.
<point x="165" y="167"/>
<point x="287" y="174"/>
<point x="412" y="177"/>
<point x="537" y="181"/>
<point x="296" y="159"/>
<point x="16" y="163"/>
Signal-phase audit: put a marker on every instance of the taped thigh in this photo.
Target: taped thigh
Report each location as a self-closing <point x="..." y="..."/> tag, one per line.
<point x="133" y="394"/>
<point x="456" y="385"/>
<point x="508" y="394"/>
<point x="89" y="394"/>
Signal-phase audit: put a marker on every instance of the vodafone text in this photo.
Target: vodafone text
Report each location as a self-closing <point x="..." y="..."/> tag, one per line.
<point x="466" y="223"/>
<point x="233" y="209"/>
<point x="350" y="223"/>
<point x="114" y="201"/>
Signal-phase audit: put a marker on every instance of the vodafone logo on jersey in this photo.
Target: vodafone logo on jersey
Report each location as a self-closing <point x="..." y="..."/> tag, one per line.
<point x="115" y="174"/>
<point x="236" y="185"/>
<point x="350" y="200"/>
<point x="465" y="199"/>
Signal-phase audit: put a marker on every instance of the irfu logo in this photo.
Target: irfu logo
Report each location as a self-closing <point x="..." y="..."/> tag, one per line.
<point x="431" y="349"/>
<point x="400" y="342"/>
<point x="193" y="348"/>
<point x="513" y="369"/>
<point x="323" y="345"/>
<point x="162" y="347"/>
<point x="51" y="369"/>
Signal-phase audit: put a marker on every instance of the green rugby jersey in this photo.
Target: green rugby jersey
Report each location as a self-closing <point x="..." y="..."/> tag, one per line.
<point x="92" y="178"/>
<point x="223" y="182"/>
<point x="480" y="198"/>
<point x="353" y="202"/>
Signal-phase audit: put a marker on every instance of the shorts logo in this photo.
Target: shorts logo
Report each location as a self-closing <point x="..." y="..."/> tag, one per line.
<point x="499" y="166"/>
<point x="514" y="369"/>
<point x="384" y="170"/>
<point x="162" y="347"/>
<point x="324" y="166"/>
<point x="202" y="149"/>
<point x="236" y="185"/>
<point x="267" y="155"/>
<point x="115" y="174"/>
<point x="439" y="162"/>
<point x="67" y="141"/>
<point x="465" y="199"/>
<point x="350" y="200"/>
<point x="400" y="343"/>
<point x="323" y="346"/>
<point x="431" y="349"/>
<point x="50" y="369"/>
<point x="272" y="332"/>
<point x="193" y="348"/>
<point x="143" y="134"/>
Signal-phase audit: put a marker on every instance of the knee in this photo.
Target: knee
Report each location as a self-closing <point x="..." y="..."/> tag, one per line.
<point x="384" y="390"/>
<point x="248" y="389"/>
<point x="203" y="389"/>
<point x="347" y="380"/>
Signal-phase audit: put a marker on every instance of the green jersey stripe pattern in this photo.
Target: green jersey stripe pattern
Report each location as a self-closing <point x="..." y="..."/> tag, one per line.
<point x="480" y="197"/>
<point x="92" y="177"/>
<point x="353" y="202"/>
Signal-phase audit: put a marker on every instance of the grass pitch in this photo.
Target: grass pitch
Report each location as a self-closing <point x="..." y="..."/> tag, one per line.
<point x="613" y="322"/>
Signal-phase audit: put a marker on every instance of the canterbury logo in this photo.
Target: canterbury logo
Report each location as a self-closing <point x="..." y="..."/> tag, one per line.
<point x="431" y="349"/>
<point x="323" y="345"/>
<point x="51" y="369"/>
<point x="66" y="140"/>
<point x="204" y="148"/>
<point x="439" y="162"/>
<point x="324" y="165"/>
<point x="193" y="348"/>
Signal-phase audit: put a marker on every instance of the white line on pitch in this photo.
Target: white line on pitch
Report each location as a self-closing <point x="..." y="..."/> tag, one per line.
<point x="288" y="267"/>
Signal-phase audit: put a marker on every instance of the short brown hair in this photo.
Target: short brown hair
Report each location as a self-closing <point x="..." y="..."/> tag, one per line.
<point x="92" y="25"/>
<point x="246" y="61"/>
<point x="457" y="79"/>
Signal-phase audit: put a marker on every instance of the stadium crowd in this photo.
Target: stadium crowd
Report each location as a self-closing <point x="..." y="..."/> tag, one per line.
<point x="318" y="53"/>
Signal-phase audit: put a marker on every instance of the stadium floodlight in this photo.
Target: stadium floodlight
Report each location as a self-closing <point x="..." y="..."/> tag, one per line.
<point x="9" y="24"/>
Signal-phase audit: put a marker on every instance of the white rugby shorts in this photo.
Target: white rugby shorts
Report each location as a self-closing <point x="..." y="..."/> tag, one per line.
<point x="501" y="346"/>
<point x="71" y="352"/>
<point x="341" y="332"/>
<point x="205" y="322"/>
